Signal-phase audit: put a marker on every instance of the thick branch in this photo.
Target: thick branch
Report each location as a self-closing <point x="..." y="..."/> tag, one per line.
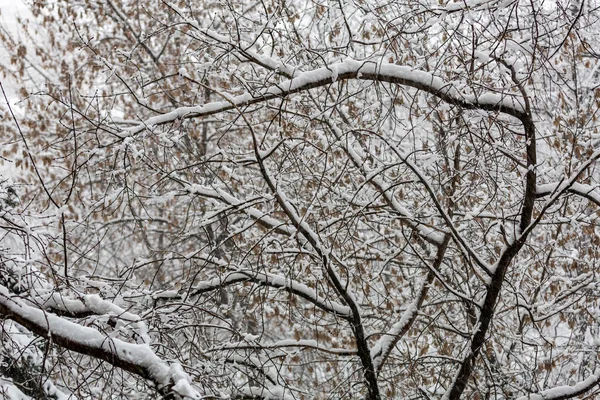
<point x="325" y="255"/>
<point x="566" y="392"/>
<point x="586" y="191"/>
<point x="137" y="359"/>
<point x="348" y="70"/>
<point x="511" y="250"/>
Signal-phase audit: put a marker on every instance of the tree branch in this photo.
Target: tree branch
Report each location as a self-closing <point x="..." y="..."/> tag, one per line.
<point x="347" y="70"/>
<point x="565" y="392"/>
<point x="137" y="359"/>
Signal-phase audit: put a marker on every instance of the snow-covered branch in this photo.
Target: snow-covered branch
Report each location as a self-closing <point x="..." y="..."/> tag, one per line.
<point x="566" y="392"/>
<point x="134" y="358"/>
<point x="275" y="281"/>
<point x="376" y="71"/>
<point x="264" y="61"/>
<point x="285" y="344"/>
<point x="587" y="191"/>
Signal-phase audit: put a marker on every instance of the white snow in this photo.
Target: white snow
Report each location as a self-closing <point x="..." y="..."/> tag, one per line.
<point x="138" y="354"/>
<point x="565" y="391"/>
<point x="349" y="69"/>
<point x="277" y="281"/>
<point x="9" y="391"/>
<point x="588" y="191"/>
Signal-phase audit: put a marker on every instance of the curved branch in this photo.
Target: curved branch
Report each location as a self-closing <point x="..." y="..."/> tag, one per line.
<point x="327" y="257"/>
<point x="304" y="344"/>
<point x="427" y="233"/>
<point x="566" y="392"/>
<point x="274" y="281"/>
<point x="586" y="191"/>
<point x="348" y="70"/>
<point x="510" y="251"/>
<point x="257" y="58"/>
<point x="384" y="346"/>
<point x="137" y="359"/>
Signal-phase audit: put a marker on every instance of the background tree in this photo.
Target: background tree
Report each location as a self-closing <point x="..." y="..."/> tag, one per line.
<point x="302" y="200"/>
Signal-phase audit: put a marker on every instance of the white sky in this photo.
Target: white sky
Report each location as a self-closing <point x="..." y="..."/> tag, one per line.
<point x="10" y="9"/>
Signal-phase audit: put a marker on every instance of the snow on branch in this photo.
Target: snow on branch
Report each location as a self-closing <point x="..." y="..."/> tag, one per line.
<point x="23" y="375"/>
<point x="565" y="392"/>
<point x="264" y="61"/>
<point x="383" y="347"/>
<point x="348" y="70"/>
<point x="275" y="281"/>
<point x="468" y="5"/>
<point x="426" y="232"/>
<point x="221" y="195"/>
<point x="134" y="358"/>
<point x="285" y="343"/>
<point x="565" y="185"/>
<point x="579" y="189"/>
<point x="91" y="304"/>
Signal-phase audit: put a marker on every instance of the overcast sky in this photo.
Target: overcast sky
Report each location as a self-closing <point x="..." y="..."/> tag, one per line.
<point x="10" y="9"/>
